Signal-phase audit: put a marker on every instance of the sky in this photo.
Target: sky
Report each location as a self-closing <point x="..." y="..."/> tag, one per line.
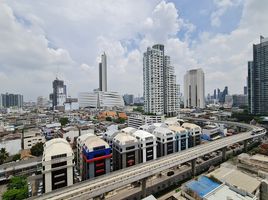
<point x="42" y="40"/>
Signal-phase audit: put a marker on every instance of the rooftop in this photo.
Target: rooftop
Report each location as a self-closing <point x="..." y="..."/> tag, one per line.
<point x="56" y="146"/>
<point x="124" y="138"/>
<point x="202" y="186"/>
<point x="143" y="134"/>
<point x="177" y="128"/>
<point x="95" y="141"/>
<point x="236" y="178"/>
<point x="224" y="192"/>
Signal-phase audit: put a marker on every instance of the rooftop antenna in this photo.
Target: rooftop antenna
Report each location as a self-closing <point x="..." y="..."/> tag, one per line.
<point x="57" y="71"/>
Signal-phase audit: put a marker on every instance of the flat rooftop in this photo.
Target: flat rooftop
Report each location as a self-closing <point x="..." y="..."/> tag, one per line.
<point x="236" y="178"/>
<point x="202" y="186"/>
<point x="223" y="193"/>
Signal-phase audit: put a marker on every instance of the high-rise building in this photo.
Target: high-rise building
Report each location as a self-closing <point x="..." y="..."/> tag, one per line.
<point x="57" y="164"/>
<point x="42" y="102"/>
<point x="159" y="83"/>
<point x="128" y="99"/>
<point x="103" y="73"/>
<point x="258" y="78"/>
<point x="58" y="97"/>
<point x="194" y="89"/>
<point x="11" y="100"/>
<point x="223" y="94"/>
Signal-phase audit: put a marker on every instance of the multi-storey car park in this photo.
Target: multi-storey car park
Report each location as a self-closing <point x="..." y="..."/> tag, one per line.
<point x="165" y="139"/>
<point x="125" y="151"/>
<point x="147" y="144"/>
<point x="96" y="157"/>
<point x="181" y="137"/>
<point x="120" y="178"/>
<point x="194" y="132"/>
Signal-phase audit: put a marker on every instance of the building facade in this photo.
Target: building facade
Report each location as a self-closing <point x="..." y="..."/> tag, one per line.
<point x="99" y="99"/>
<point x="258" y="78"/>
<point x="58" y="97"/>
<point x="160" y="90"/>
<point x="57" y="163"/>
<point x="96" y="157"/>
<point x="137" y="120"/>
<point x="194" y="89"/>
<point x="11" y="100"/>
<point x="125" y="151"/>
<point x="128" y="99"/>
<point x="103" y="73"/>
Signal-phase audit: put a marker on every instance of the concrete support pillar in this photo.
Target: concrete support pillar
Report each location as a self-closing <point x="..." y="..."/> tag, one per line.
<point x="224" y="153"/>
<point x="143" y="187"/>
<point x="193" y="163"/>
<point x="245" y="145"/>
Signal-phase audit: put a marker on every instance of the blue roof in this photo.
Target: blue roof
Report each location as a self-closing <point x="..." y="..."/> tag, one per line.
<point x="202" y="186"/>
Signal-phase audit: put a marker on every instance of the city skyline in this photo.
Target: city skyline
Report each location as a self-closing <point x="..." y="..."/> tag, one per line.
<point x="68" y="45"/>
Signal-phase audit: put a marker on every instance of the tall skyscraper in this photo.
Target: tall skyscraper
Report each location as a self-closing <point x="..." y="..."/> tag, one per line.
<point x="194" y="89"/>
<point x="58" y="97"/>
<point x="103" y="73"/>
<point x="11" y="100"/>
<point x="159" y="82"/>
<point x="258" y="78"/>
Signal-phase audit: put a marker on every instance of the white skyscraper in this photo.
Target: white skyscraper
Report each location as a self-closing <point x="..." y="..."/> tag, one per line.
<point x="159" y="83"/>
<point x="194" y="89"/>
<point x="103" y="73"/>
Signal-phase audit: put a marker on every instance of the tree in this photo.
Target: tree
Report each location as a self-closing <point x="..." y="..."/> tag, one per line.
<point x="108" y="119"/>
<point x="37" y="149"/>
<point x="64" y="121"/>
<point x="16" y="157"/>
<point x="17" y="189"/>
<point x="3" y="155"/>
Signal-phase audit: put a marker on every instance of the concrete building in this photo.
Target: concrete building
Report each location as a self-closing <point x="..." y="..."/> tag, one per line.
<point x="206" y="189"/>
<point x="211" y="132"/>
<point x="166" y="141"/>
<point x="182" y="137"/>
<point x="240" y="100"/>
<point x="195" y="132"/>
<point x="57" y="163"/>
<point x="147" y="144"/>
<point x="125" y="151"/>
<point x="103" y="73"/>
<point x="109" y="135"/>
<point x="58" y="97"/>
<point x="159" y="83"/>
<point x="99" y="99"/>
<point x="31" y="137"/>
<point x="257" y="78"/>
<point x="79" y="153"/>
<point x="137" y="120"/>
<point x="11" y="100"/>
<point x="96" y="157"/>
<point x="128" y="99"/>
<point x="42" y="102"/>
<point x="194" y="89"/>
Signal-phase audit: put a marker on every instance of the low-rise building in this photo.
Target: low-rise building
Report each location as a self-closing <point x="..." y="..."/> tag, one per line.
<point x="125" y="151"/>
<point x="166" y="141"/>
<point x="96" y="157"/>
<point x="211" y="132"/>
<point x="147" y="144"/>
<point x="137" y="120"/>
<point x="32" y="137"/>
<point x="195" y="132"/>
<point x="57" y="163"/>
<point x="181" y="137"/>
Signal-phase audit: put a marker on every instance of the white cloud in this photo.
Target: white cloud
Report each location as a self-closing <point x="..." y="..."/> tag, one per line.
<point x="221" y="7"/>
<point x="38" y="39"/>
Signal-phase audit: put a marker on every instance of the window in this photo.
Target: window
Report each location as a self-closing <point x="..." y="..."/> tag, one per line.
<point x="58" y="156"/>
